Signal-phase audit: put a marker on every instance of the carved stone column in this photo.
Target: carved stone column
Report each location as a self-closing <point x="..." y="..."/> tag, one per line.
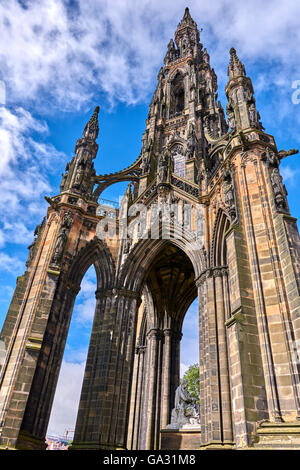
<point x="38" y="409"/>
<point x="104" y="404"/>
<point x="23" y="348"/>
<point x="166" y="377"/>
<point x="140" y="384"/>
<point x="209" y="367"/>
<point x="154" y="336"/>
<point x="225" y="396"/>
<point x="136" y="398"/>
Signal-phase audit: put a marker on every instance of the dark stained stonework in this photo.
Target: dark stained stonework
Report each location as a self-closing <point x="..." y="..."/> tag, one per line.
<point x="244" y="271"/>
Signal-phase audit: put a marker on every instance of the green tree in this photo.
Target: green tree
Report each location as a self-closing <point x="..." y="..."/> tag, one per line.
<point x="193" y="380"/>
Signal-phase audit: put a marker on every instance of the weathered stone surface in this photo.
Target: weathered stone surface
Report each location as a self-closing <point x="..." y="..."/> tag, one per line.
<point x="243" y="266"/>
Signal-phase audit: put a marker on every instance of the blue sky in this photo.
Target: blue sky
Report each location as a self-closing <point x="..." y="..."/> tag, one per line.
<point x="59" y="59"/>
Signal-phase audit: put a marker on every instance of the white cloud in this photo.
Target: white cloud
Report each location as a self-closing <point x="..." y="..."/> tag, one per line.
<point x="66" y="400"/>
<point x="85" y="303"/>
<point x="117" y="47"/>
<point x="25" y="166"/>
<point x="84" y="311"/>
<point x="10" y="263"/>
<point x="189" y="345"/>
<point x="183" y="369"/>
<point x="76" y="356"/>
<point x="54" y="56"/>
<point x="289" y="174"/>
<point x="1" y="239"/>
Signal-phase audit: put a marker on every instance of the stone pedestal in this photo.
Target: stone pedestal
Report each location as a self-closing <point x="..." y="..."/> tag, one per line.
<point x="278" y="436"/>
<point x="180" y="439"/>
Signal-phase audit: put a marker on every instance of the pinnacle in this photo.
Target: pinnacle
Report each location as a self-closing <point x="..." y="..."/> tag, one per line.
<point x="93" y="122"/>
<point x="236" y="67"/>
<point x="187" y="19"/>
<point x="187" y="14"/>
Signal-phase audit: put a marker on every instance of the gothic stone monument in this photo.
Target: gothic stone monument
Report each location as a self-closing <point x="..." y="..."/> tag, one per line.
<point x="242" y="264"/>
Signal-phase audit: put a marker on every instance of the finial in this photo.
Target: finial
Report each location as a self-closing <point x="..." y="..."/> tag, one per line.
<point x="92" y="127"/>
<point x="187" y="19"/>
<point x="235" y="68"/>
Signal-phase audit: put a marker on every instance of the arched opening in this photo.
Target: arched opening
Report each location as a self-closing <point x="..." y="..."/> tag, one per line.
<point x="189" y="347"/>
<point x="178" y="160"/>
<point x="177" y="97"/>
<point x="219" y="255"/>
<point x="220" y="248"/>
<point x="179" y="107"/>
<point x="64" y="410"/>
<point x="39" y="404"/>
<point x="168" y="291"/>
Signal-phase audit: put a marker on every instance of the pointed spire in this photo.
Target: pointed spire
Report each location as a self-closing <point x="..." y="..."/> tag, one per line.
<point x="187" y="20"/>
<point x="235" y="68"/>
<point x="92" y="127"/>
<point x="89" y="136"/>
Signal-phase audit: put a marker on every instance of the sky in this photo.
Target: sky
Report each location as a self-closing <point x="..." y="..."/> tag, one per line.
<point x="59" y="59"/>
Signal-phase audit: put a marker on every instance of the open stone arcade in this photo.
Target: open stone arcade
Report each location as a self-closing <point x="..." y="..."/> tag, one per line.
<point x="243" y="267"/>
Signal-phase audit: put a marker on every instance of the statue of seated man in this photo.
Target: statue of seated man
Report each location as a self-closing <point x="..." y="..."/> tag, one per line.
<point x="186" y="411"/>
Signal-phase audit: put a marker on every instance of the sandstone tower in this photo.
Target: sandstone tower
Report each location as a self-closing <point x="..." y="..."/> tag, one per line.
<point x="229" y="239"/>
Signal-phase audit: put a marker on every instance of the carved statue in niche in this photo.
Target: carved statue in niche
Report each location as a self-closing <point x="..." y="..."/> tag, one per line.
<point x="192" y="82"/>
<point x="83" y="160"/>
<point x="163" y="166"/>
<point x="278" y="189"/>
<point x="145" y="165"/>
<point x="191" y="143"/>
<point x="78" y="178"/>
<point x="248" y="94"/>
<point x="91" y="181"/>
<point x="229" y="198"/>
<point x="230" y="117"/>
<point x="270" y="157"/>
<point x="61" y="239"/>
<point x="84" y="167"/>
<point x="186" y="412"/>
<point x="59" y="246"/>
<point x="193" y="75"/>
<point x="254" y="116"/>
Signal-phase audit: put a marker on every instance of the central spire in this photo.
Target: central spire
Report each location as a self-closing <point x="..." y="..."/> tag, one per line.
<point x="187" y="20"/>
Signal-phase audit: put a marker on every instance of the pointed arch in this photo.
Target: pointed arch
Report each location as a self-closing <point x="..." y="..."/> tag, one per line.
<point x="218" y="247"/>
<point x="144" y="253"/>
<point x="177" y="94"/>
<point x="95" y="252"/>
<point x="38" y="408"/>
